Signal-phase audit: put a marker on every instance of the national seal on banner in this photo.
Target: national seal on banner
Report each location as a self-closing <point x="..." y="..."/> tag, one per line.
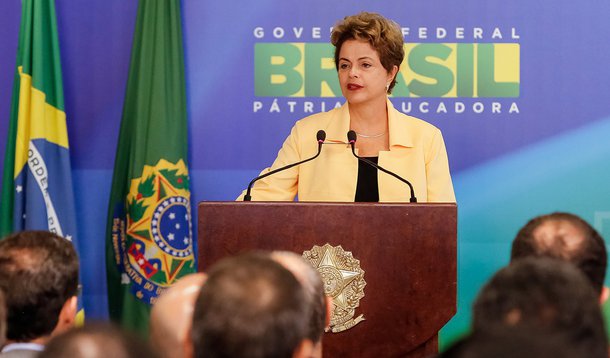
<point x="152" y="237"/>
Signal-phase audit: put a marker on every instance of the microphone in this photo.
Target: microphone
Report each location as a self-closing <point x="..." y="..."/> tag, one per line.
<point x="351" y="138"/>
<point x="320" y="137"/>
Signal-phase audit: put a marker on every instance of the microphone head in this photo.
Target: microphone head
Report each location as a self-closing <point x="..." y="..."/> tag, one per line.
<point x="321" y="136"/>
<point x="351" y="136"/>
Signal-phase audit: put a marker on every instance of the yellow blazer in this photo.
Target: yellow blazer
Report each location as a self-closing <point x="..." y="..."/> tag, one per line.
<point x="417" y="153"/>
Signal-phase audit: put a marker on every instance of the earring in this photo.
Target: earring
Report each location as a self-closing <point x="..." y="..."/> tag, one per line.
<point x="387" y="87"/>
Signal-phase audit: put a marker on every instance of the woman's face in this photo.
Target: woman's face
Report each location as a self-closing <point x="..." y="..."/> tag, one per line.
<point x="361" y="75"/>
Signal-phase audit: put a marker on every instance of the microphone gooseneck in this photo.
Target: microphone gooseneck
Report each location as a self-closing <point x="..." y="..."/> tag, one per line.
<point x="320" y="137"/>
<point x="351" y="139"/>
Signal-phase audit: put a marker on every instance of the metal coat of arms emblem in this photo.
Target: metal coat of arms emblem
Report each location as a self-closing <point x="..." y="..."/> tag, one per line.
<point x="343" y="281"/>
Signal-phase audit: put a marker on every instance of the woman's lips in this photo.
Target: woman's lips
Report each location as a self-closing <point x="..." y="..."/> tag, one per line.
<point x="353" y="87"/>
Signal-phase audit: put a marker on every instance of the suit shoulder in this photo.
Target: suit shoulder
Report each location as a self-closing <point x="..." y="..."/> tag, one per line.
<point x="317" y="120"/>
<point x="418" y="124"/>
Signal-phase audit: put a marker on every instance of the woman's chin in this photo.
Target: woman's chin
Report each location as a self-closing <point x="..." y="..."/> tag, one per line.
<point x="357" y="99"/>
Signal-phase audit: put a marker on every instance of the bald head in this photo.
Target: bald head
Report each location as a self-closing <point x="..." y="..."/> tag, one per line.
<point x="98" y="340"/>
<point x="561" y="236"/>
<point x="566" y="237"/>
<point x="171" y="316"/>
<point x="312" y="283"/>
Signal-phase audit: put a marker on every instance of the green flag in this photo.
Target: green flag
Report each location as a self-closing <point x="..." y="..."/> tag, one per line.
<point x="149" y="236"/>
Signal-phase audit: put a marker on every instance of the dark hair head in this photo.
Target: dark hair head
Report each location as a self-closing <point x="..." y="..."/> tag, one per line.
<point x="382" y="34"/>
<point x="97" y="341"/>
<point x="545" y="294"/>
<point x="509" y="342"/>
<point x="38" y="274"/>
<point x="250" y="306"/>
<point x="566" y="237"/>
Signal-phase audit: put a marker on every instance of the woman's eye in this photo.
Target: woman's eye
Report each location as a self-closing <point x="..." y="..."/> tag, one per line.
<point x="343" y="66"/>
<point x="366" y="65"/>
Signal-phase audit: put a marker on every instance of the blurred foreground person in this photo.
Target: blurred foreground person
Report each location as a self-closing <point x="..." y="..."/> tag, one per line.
<point x="512" y="342"/>
<point x="39" y="277"/>
<point x="97" y="341"/>
<point x="320" y="304"/>
<point x="251" y="307"/>
<point x="569" y="238"/>
<point x="545" y="295"/>
<point x="172" y="314"/>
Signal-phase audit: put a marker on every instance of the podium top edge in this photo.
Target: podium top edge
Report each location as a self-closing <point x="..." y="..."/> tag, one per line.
<point x="322" y="203"/>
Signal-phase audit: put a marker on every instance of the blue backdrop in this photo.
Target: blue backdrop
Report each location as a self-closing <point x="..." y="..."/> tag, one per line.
<point x="519" y="89"/>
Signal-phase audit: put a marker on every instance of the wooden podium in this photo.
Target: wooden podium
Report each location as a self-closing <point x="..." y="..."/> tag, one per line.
<point x="407" y="251"/>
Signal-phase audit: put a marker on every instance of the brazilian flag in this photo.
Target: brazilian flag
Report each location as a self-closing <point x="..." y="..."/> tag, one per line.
<point x="37" y="192"/>
<point x="149" y="233"/>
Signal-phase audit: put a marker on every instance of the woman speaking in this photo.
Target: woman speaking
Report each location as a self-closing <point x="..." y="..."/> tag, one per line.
<point x="368" y="54"/>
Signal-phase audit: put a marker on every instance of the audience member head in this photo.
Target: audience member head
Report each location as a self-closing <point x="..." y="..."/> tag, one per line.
<point x="565" y="237"/>
<point x="39" y="277"/>
<point x="310" y="279"/>
<point x="250" y="306"/>
<point x="512" y="342"/>
<point x="172" y="314"/>
<point x="547" y="295"/>
<point x="97" y="341"/>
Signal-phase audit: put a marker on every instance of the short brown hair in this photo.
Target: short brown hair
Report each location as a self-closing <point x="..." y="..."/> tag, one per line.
<point x="547" y="295"/>
<point x="249" y="306"/>
<point x="382" y="34"/>
<point x="38" y="274"/>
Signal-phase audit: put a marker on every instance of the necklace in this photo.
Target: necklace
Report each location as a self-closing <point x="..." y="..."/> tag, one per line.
<point x="371" y="136"/>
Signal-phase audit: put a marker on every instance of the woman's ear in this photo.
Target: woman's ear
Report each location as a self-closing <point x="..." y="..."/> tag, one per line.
<point x="392" y="74"/>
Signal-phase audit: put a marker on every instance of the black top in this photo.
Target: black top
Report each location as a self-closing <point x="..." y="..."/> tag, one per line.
<point x="367" y="188"/>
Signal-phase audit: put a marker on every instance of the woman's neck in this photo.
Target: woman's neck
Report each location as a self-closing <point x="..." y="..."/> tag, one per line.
<point x="369" y="117"/>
